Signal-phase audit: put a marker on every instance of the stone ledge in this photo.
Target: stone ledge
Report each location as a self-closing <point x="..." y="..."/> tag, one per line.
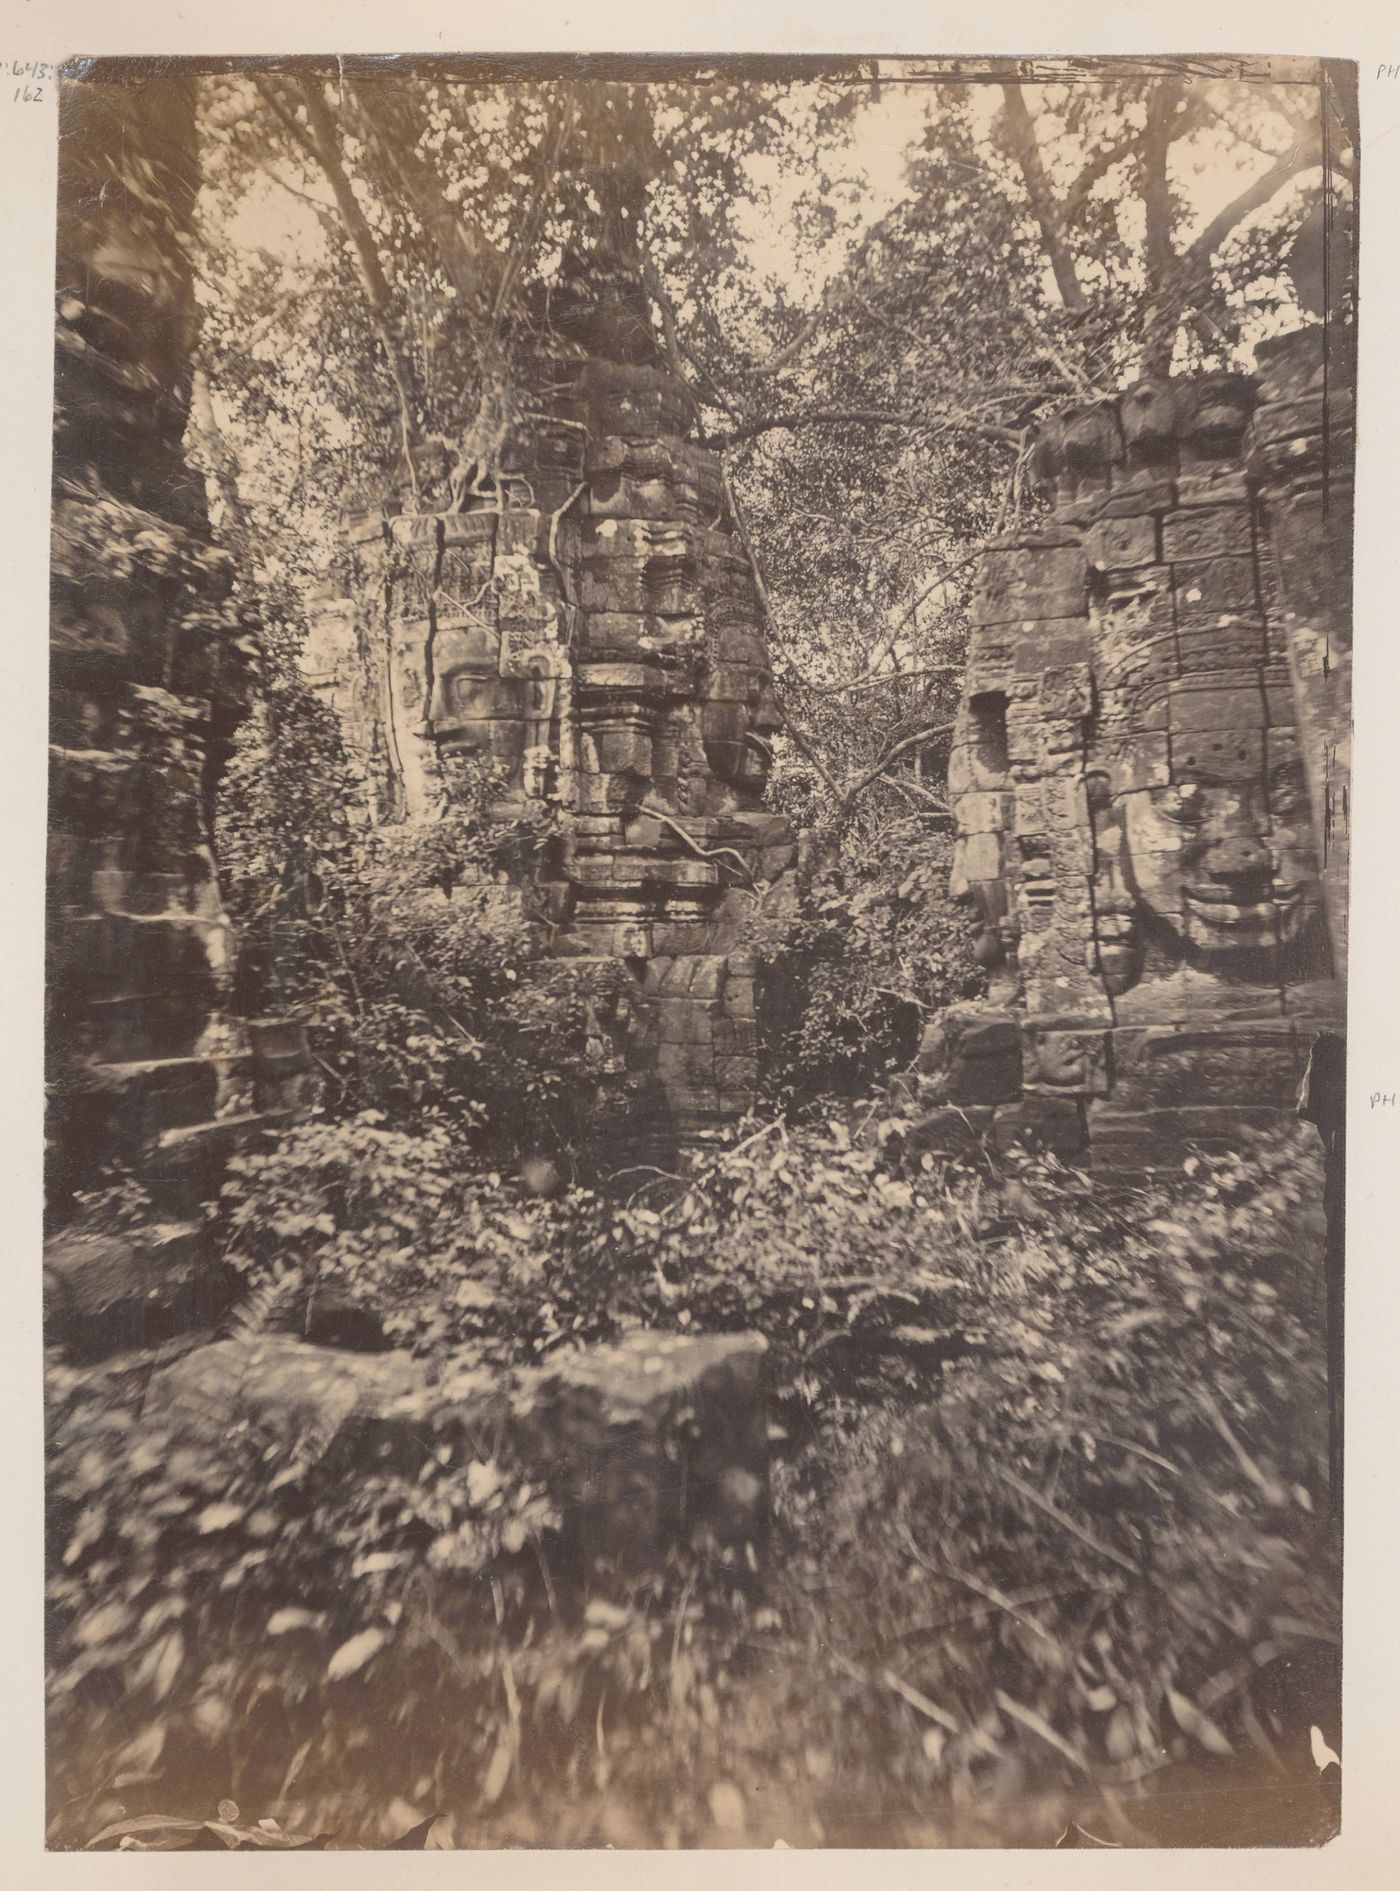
<point x="654" y="1442"/>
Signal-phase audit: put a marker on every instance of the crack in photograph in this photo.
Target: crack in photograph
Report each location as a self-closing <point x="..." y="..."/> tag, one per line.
<point x="697" y="901"/>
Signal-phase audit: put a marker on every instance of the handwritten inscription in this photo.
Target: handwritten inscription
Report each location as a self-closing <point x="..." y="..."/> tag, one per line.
<point x="1385" y="1099"/>
<point x="34" y="76"/>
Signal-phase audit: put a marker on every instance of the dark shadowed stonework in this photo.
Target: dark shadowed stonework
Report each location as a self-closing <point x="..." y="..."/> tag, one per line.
<point x="1150" y="773"/>
<point x="576" y="608"/>
<point x="149" y="673"/>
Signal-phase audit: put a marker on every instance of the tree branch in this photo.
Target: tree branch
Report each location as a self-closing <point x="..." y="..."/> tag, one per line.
<point x="670" y="330"/>
<point x="395" y="137"/>
<point x="323" y="144"/>
<point x="862" y="683"/>
<point x="1164" y="310"/>
<point x="864" y="417"/>
<point x="916" y="739"/>
<point x="294" y="131"/>
<point x="1095" y="167"/>
<point x="556" y="131"/>
<point x="1156" y="190"/>
<point x="1048" y="215"/>
<point x="837" y="289"/>
<point x="1302" y="157"/>
<point x="941" y="578"/>
<point x="799" y="741"/>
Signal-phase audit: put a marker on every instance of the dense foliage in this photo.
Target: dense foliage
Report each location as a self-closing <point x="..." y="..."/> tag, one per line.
<point x="869" y="948"/>
<point x="1105" y="1548"/>
<point x="1052" y="1511"/>
<point x="410" y="951"/>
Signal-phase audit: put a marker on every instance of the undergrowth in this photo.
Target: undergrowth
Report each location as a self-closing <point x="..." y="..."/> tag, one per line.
<point x="1052" y="1514"/>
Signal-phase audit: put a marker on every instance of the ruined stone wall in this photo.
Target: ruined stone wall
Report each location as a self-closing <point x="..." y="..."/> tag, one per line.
<point x="578" y="612"/>
<point x="149" y="669"/>
<point x="1149" y="776"/>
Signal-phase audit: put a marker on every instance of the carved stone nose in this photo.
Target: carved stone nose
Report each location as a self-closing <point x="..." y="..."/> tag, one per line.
<point x="1239" y="858"/>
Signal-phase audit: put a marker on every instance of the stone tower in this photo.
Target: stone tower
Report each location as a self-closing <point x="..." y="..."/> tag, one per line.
<point x="579" y="613"/>
<point x="149" y="667"/>
<point x="1150" y="774"/>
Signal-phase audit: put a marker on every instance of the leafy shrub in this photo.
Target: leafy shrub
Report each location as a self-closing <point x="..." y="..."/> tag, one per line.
<point x="410" y="1226"/>
<point x="1130" y="1479"/>
<point x="407" y="949"/>
<point x="208" y="1600"/>
<point x="1104" y="1549"/>
<point x="874" y="947"/>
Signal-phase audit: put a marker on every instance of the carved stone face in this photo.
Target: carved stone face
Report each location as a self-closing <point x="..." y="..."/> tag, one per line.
<point x="1117" y="935"/>
<point x="1148" y="411"/>
<point x="1089" y="435"/>
<point x="1215" y="411"/>
<point x="474" y="710"/>
<point x="1078" y="449"/>
<point x="1228" y="866"/>
<point x="739" y="717"/>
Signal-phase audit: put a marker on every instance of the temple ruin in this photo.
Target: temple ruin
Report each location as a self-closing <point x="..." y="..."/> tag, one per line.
<point x="150" y="673"/>
<point x="576" y="610"/>
<point x="1150" y="774"/>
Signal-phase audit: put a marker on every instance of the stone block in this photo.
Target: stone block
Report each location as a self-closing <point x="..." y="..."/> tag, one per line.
<point x="1045" y="646"/>
<point x="1290" y="419"/>
<point x="982" y="856"/>
<point x="1198" y="532"/>
<point x="969" y="767"/>
<point x="1051" y="1124"/>
<point x="654" y="1441"/>
<point x="1224" y="755"/>
<point x="738" y="1000"/>
<point x="1168" y="1066"/>
<point x="1215" y="587"/>
<point x="357" y="1412"/>
<point x="1133" y="607"/>
<point x="1143" y="490"/>
<point x="1215" y="701"/>
<point x="949" y="1131"/>
<point x="1066" y="693"/>
<point x="1122" y="542"/>
<point x="623" y="752"/>
<point x="984" y="812"/>
<point x="629" y="940"/>
<point x="106" y="1293"/>
<point x="736" y="1036"/>
<point x="634" y="401"/>
<point x="1067" y="1060"/>
<point x="1239" y="643"/>
<point x="971" y="1055"/>
<point x="183" y="1167"/>
<point x="707" y="977"/>
<point x="1208" y="483"/>
<point x="1030" y="582"/>
<point x="736" y="1073"/>
<point x="1139" y="1145"/>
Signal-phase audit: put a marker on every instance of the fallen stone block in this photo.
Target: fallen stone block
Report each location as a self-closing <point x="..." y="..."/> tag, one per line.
<point x="650" y="1444"/>
<point x="108" y="1292"/>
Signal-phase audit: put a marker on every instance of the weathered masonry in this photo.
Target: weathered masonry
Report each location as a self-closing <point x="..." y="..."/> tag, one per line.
<point x="657" y="1439"/>
<point x="1151" y="773"/>
<point x="576" y="609"/>
<point x="146" y="1067"/>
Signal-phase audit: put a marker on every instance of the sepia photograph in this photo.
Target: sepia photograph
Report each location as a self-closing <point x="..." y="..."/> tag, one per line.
<point x="699" y="821"/>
